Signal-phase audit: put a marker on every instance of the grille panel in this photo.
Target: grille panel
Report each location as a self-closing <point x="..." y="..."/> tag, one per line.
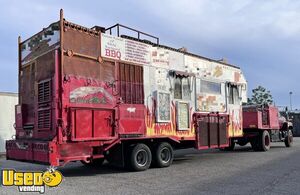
<point x="44" y="119"/>
<point x="44" y="92"/>
<point x="44" y="106"/>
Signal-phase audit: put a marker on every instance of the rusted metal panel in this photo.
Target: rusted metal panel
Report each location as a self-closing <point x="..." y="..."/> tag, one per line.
<point x="131" y="83"/>
<point x="81" y="67"/>
<point x="27" y="81"/>
<point x="78" y="39"/>
<point x="45" y="66"/>
<point x="40" y="43"/>
<point x="211" y="130"/>
<point x="42" y="68"/>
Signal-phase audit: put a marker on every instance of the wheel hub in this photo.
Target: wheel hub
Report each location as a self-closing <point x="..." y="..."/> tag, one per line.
<point x="165" y="155"/>
<point x="141" y="158"/>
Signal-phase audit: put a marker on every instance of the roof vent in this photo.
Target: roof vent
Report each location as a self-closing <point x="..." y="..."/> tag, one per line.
<point x="183" y="49"/>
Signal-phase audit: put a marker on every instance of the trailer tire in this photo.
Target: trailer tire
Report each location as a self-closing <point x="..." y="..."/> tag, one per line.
<point x="288" y="140"/>
<point x="163" y="155"/>
<point x="139" y="157"/>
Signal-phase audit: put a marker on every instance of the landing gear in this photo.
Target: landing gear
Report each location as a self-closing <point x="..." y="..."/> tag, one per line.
<point x="94" y="162"/>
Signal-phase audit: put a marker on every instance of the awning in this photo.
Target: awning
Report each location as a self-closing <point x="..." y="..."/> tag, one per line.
<point x="180" y="73"/>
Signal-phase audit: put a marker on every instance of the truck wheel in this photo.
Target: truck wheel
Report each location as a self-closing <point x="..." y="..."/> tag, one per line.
<point x="139" y="157"/>
<point x="94" y="162"/>
<point x="264" y="141"/>
<point x="163" y="155"/>
<point x="288" y="140"/>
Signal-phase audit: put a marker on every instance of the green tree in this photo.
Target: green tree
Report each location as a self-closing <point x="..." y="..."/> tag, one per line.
<point x="260" y="95"/>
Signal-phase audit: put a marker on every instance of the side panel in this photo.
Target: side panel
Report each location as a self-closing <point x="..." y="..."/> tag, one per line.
<point x="252" y="119"/>
<point x="89" y="89"/>
<point x="273" y="116"/>
<point x="35" y="113"/>
<point x="132" y="119"/>
<point x="211" y="130"/>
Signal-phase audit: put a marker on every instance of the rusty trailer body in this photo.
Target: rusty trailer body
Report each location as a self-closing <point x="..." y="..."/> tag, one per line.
<point x="87" y="95"/>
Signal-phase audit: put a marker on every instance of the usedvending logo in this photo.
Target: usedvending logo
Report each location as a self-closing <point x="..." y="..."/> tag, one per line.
<point x="31" y="181"/>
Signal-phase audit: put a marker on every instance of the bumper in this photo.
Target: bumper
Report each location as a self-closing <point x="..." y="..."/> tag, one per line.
<point x="32" y="151"/>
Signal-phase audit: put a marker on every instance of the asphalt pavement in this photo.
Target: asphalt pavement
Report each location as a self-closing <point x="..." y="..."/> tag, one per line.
<point x="242" y="171"/>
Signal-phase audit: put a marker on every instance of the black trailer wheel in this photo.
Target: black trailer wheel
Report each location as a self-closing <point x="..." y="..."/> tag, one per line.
<point x="94" y="162"/>
<point x="262" y="142"/>
<point x="288" y="140"/>
<point x="163" y="155"/>
<point x="139" y="157"/>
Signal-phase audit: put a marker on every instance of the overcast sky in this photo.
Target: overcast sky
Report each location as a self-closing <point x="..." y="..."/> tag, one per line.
<point x="262" y="37"/>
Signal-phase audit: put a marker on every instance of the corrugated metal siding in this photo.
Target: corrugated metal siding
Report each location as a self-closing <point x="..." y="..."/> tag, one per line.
<point x="7" y="117"/>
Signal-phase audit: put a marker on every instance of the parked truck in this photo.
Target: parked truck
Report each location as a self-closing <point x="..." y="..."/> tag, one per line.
<point x="90" y="94"/>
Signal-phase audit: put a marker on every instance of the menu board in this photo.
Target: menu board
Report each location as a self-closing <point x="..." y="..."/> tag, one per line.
<point x="124" y="49"/>
<point x="163" y="107"/>
<point x="183" y="116"/>
<point x="165" y="58"/>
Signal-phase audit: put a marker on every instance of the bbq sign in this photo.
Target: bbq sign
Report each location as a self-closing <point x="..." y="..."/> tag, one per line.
<point x="31" y="181"/>
<point x="126" y="50"/>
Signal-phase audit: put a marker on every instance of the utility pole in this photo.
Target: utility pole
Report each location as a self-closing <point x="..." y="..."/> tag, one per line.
<point x="291" y="100"/>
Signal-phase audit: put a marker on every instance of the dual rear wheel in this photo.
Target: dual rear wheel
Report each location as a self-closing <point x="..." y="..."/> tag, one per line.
<point x="140" y="156"/>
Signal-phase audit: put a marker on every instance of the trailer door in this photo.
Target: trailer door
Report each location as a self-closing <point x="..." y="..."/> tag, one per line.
<point x="235" y="110"/>
<point x="92" y="124"/>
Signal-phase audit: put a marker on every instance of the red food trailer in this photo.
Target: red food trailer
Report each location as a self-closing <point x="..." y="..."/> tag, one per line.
<point x="90" y="94"/>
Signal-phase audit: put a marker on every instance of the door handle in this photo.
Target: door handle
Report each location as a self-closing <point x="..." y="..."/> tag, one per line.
<point x="110" y="121"/>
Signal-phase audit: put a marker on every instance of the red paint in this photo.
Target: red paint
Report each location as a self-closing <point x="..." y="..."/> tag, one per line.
<point x="91" y="114"/>
<point x="261" y="117"/>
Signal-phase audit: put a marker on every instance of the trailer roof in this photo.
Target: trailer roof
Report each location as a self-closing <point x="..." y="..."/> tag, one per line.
<point x="178" y="50"/>
<point x="157" y="44"/>
<point x="101" y="29"/>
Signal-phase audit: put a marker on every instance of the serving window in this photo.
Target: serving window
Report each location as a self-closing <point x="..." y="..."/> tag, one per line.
<point x="181" y="85"/>
<point x="210" y="87"/>
<point x="233" y="94"/>
<point x="182" y="88"/>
